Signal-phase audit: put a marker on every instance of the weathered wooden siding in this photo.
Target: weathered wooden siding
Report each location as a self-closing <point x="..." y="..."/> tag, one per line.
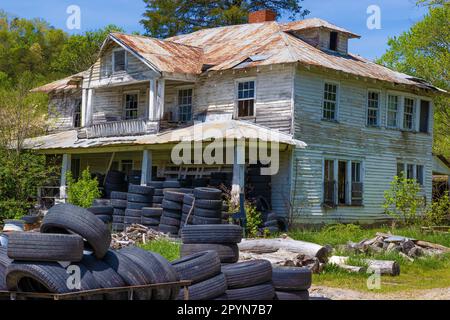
<point x="61" y="110"/>
<point x="321" y="39"/>
<point x="379" y="149"/>
<point x="281" y="184"/>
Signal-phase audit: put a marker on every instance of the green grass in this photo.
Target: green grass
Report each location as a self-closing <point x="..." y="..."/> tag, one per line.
<point x="423" y="273"/>
<point x="168" y="249"/>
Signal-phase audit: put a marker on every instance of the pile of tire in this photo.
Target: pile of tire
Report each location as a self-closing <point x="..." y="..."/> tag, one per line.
<point x="291" y="283"/>
<point x="138" y="197"/>
<point x="151" y="217"/>
<point x="208" y="206"/>
<point x="134" y="177"/>
<point x="119" y="203"/>
<point x="115" y="181"/>
<point x="158" y="194"/>
<point x="271" y="223"/>
<point x="222" y="238"/>
<point x="187" y="215"/>
<point x="104" y="213"/>
<point x="32" y="261"/>
<point x="250" y="280"/>
<point x="204" y="270"/>
<point x="172" y="206"/>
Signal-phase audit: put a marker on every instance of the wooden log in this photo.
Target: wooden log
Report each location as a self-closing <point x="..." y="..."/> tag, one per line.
<point x="427" y="244"/>
<point x="385" y="267"/>
<point x="341" y="263"/>
<point x="272" y="245"/>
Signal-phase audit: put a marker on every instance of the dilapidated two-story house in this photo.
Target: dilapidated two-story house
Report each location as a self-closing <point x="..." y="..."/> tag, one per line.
<point x="343" y="125"/>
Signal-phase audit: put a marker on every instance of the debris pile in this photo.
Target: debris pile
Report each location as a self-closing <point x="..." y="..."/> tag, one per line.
<point x="134" y="235"/>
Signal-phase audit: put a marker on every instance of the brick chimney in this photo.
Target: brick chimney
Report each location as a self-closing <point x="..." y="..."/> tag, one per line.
<point x="260" y="16"/>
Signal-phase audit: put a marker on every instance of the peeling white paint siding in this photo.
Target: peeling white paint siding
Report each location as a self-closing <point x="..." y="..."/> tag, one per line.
<point x="61" y="110"/>
<point x="379" y="149"/>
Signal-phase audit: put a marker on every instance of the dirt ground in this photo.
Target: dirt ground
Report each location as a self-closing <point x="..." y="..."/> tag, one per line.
<point x="345" y="294"/>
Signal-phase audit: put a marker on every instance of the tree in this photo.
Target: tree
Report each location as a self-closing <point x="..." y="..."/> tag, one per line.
<point x="424" y="51"/>
<point x="84" y="191"/>
<point x="166" y="18"/>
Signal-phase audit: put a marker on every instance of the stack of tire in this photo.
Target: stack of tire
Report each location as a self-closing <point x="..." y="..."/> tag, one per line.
<point x="207" y="206"/>
<point x="271" y="223"/>
<point x="250" y="280"/>
<point x="291" y="283"/>
<point x="134" y="177"/>
<point x="204" y="270"/>
<point x="158" y="194"/>
<point x="104" y="213"/>
<point x="77" y="237"/>
<point x="138" y="197"/>
<point x="172" y="206"/>
<point x="115" y="181"/>
<point x="187" y="213"/>
<point x="222" y="238"/>
<point x="151" y="217"/>
<point x="119" y="203"/>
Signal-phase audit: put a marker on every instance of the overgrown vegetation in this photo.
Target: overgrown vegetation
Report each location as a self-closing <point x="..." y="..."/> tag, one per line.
<point x="254" y="220"/>
<point x="168" y="249"/>
<point x="84" y="191"/>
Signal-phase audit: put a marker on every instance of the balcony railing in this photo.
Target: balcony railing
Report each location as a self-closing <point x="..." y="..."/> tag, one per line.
<point x="118" y="129"/>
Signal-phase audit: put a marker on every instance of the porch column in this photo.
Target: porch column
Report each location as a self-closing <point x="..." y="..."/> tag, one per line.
<point x="65" y="167"/>
<point x="161" y="87"/>
<point x="86" y="107"/>
<point x="151" y="112"/>
<point x="147" y="164"/>
<point x="238" y="171"/>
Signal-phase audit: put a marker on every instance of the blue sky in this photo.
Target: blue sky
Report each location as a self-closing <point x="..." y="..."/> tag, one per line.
<point x="396" y="16"/>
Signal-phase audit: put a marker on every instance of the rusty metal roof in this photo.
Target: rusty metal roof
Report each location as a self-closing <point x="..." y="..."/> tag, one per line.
<point x="68" y="83"/>
<point x="316" y="23"/>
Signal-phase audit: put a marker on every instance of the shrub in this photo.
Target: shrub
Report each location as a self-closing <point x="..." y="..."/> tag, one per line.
<point x="438" y="212"/>
<point x="254" y="220"/>
<point x="84" y="191"/>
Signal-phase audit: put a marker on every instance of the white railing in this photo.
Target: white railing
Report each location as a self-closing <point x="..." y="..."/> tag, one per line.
<point x="118" y="129"/>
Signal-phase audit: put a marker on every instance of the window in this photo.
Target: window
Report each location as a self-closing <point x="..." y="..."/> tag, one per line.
<point x="77" y="114"/>
<point x="127" y="166"/>
<point x="246" y="99"/>
<point x="420" y="174"/>
<point x="330" y="101"/>
<point x="410" y="171"/>
<point x="131" y="106"/>
<point x="393" y="108"/>
<point x="119" y="60"/>
<point x="424" y="116"/>
<point x="333" y="41"/>
<point x="185" y="105"/>
<point x="342" y="183"/>
<point x="373" y="108"/>
<point x="357" y="185"/>
<point x="408" y="114"/>
<point x="329" y="183"/>
<point x="400" y="169"/>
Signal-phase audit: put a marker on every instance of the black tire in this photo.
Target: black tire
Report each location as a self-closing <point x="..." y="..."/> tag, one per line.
<point x="171" y="230"/>
<point x="174" y="196"/>
<point x="133" y="197"/>
<point x="101" y="210"/>
<point x="118" y="227"/>
<point x="132" y="220"/>
<point x="130" y="273"/>
<point x="247" y="274"/>
<point x="271" y="223"/>
<point x="186" y="209"/>
<point x="152" y="212"/>
<point x="158" y="199"/>
<point x="155" y="184"/>
<point x="175" y="214"/>
<point x="207" y="213"/>
<point x="157" y="270"/>
<point x="133" y="213"/>
<point x="150" y="221"/>
<point x="291" y="279"/>
<point x="184" y="217"/>
<point x="198" y="267"/>
<point x="171" y="205"/>
<point x="105" y="218"/>
<point x="5" y="261"/>
<point x="292" y="295"/>
<point x="119" y="212"/>
<point x="157" y="205"/>
<point x="119" y="203"/>
<point x="226" y="233"/>
<point x="208" y="289"/>
<point x="137" y="205"/>
<point x="118" y="219"/>
<point x="117" y="195"/>
<point x="228" y="253"/>
<point x="66" y="218"/>
<point x="207" y="193"/>
<point x="159" y="192"/>
<point x="171" y="184"/>
<point x="170" y="221"/>
<point x="29" y="246"/>
<point x="188" y="199"/>
<point x="105" y="276"/>
<point x="206" y="221"/>
<point x="272" y="216"/>
<point x="262" y="292"/>
<point x="212" y="205"/>
<point x="143" y="190"/>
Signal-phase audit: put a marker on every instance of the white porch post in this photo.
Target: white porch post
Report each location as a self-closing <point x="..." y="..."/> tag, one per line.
<point x="147" y="164"/>
<point x="65" y="167"/>
<point x="238" y="171"/>
<point x="151" y="112"/>
<point x="161" y="87"/>
<point x="86" y="107"/>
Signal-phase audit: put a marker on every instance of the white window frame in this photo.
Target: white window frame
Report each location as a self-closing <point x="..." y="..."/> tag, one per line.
<point x="183" y="88"/>
<point x="113" y="61"/>
<point x="430" y="114"/>
<point x="338" y="98"/>
<point x="415" y="165"/>
<point x="399" y="109"/>
<point x="378" y="124"/>
<point x="124" y="113"/>
<point x="414" y="114"/>
<point x="236" y="97"/>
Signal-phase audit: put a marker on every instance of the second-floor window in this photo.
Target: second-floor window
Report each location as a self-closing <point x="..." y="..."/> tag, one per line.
<point x="246" y="99"/>
<point x="330" y="97"/>
<point x="185" y="105"/>
<point x="373" y="108"/>
<point x="119" y="62"/>
<point x="131" y="106"/>
<point x="408" y="114"/>
<point x="393" y="108"/>
<point x="77" y="114"/>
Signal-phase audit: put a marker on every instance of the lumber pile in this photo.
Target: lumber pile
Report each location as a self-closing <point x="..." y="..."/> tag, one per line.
<point x="134" y="235"/>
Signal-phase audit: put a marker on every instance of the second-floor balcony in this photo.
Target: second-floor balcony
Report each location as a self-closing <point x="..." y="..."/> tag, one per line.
<point x="119" y="129"/>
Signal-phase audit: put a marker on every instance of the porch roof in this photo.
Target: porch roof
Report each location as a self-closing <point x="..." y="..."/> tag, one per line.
<point x="204" y="131"/>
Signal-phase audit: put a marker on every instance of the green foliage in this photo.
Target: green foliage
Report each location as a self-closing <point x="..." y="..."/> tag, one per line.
<point x="84" y="191"/>
<point x="423" y="51"/>
<point x="254" y="220"/>
<point x="166" y="18"/>
<point x="169" y="250"/>
<point x="438" y="212"/>
<point x="402" y="201"/>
